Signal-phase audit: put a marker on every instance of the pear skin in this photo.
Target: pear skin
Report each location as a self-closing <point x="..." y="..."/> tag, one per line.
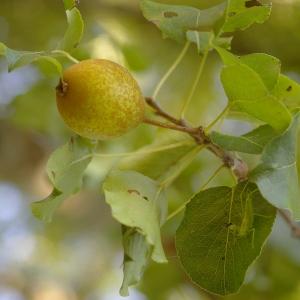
<point x="99" y="99"/>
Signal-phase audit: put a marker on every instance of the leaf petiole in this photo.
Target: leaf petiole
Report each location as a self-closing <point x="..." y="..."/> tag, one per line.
<point x="220" y="117"/>
<point x="195" y="84"/>
<point x="66" y="54"/>
<point x="171" y="69"/>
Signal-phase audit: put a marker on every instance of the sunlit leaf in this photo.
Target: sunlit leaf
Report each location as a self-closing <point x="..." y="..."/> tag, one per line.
<point x="248" y="82"/>
<point x="176" y="20"/>
<point x="74" y="31"/>
<point x="136" y="202"/>
<point x="252" y="142"/>
<point x="277" y="176"/>
<point x="288" y="91"/>
<point x="222" y="233"/>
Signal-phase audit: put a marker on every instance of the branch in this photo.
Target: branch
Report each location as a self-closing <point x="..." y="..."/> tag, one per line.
<point x="238" y="166"/>
<point x="295" y="228"/>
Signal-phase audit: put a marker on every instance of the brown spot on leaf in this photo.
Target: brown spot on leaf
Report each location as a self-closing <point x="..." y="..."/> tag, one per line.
<point x="223" y="258"/>
<point x="231" y="14"/>
<point x="252" y="3"/>
<point x="289" y="88"/>
<point x="134" y="192"/>
<point x="170" y="14"/>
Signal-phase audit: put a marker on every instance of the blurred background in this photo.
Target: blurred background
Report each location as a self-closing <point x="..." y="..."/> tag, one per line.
<point x="79" y="255"/>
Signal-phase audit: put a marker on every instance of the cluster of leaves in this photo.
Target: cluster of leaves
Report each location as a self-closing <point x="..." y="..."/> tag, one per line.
<point x="224" y="228"/>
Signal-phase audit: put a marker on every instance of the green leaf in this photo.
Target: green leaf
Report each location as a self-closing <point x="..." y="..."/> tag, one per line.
<point x="266" y="66"/>
<point x="2" y="49"/>
<point x="136" y="256"/>
<point x="45" y="209"/>
<point x="288" y="91"/>
<point x="277" y="176"/>
<point x="201" y="39"/>
<point x="74" y="31"/>
<point x="137" y="202"/>
<point x="155" y="164"/>
<point x="17" y="59"/>
<point x="248" y="82"/>
<point x="222" y="233"/>
<point x="69" y="4"/>
<point x="67" y="164"/>
<point x="65" y="169"/>
<point x="252" y="142"/>
<point x="240" y="14"/>
<point x="175" y="20"/>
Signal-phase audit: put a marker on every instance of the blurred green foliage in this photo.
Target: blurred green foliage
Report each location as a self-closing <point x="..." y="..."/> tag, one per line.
<point x="78" y="256"/>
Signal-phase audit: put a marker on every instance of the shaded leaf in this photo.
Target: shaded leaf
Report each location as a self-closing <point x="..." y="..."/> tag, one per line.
<point x="136" y="254"/>
<point x="17" y="59"/>
<point x="74" y="31"/>
<point x="277" y="176"/>
<point x="175" y="20"/>
<point x="65" y="169"/>
<point x="240" y="15"/>
<point x="203" y="40"/>
<point x="136" y="202"/>
<point x="222" y="233"/>
<point x="252" y="142"/>
<point x="67" y="164"/>
<point x="45" y="209"/>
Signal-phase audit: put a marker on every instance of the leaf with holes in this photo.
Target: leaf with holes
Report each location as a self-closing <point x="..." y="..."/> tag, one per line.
<point x="277" y="176"/>
<point x="140" y="206"/>
<point x="252" y="142"/>
<point x="176" y="20"/>
<point x="222" y="233"/>
<point x="136" y="201"/>
<point x="288" y="91"/>
<point x="241" y="14"/>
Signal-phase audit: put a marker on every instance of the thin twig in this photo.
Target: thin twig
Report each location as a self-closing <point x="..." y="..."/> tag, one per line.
<point x="295" y="228"/>
<point x="185" y="129"/>
<point x="238" y="166"/>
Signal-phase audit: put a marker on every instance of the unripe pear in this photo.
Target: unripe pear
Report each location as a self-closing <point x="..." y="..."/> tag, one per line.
<point x="99" y="99"/>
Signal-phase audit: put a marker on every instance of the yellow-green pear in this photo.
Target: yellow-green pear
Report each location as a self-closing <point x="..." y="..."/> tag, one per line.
<point x="100" y="99"/>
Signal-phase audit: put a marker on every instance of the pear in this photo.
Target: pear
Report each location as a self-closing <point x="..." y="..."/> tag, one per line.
<point x="99" y="99"/>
